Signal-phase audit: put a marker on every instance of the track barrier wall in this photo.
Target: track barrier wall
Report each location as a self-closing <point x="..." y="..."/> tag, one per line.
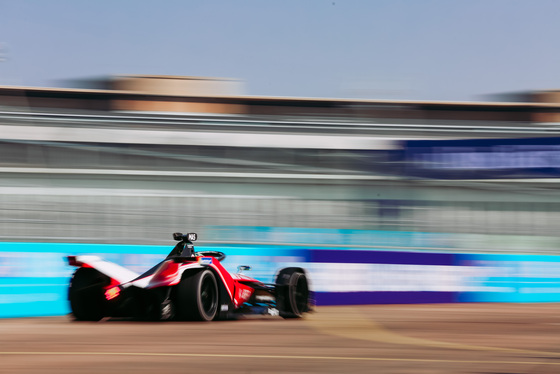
<point x="34" y="277"/>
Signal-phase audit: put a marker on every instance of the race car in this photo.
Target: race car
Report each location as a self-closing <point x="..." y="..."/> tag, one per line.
<point x="186" y="285"/>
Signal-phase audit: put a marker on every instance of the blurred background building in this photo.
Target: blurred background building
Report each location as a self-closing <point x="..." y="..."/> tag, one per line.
<point x="138" y="157"/>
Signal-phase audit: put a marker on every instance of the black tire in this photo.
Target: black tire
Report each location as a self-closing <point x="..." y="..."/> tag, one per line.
<point x="197" y="296"/>
<point x="292" y="293"/>
<point x="86" y="294"/>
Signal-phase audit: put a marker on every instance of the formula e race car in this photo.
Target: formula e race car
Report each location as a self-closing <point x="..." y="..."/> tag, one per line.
<point x="186" y="285"/>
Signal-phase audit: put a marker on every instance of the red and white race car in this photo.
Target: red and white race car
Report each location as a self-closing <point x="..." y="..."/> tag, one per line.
<point x="186" y="285"/>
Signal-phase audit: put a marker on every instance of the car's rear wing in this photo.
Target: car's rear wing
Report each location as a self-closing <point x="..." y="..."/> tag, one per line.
<point x="109" y="269"/>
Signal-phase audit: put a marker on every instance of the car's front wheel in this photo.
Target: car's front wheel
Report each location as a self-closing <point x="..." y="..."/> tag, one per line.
<point x="292" y="293"/>
<point x="197" y="296"/>
<point x="299" y="294"/>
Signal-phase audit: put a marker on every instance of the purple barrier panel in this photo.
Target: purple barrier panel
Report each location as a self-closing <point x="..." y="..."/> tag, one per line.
<point x="353" y="277"/>
<point x="361" y="298"/>
<point x="380" y="257"/>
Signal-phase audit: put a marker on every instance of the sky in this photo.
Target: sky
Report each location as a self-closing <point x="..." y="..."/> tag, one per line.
<point x="368" y="49"/>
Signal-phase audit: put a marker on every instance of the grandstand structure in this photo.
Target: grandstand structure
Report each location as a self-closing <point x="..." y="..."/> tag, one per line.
<point x="147" y="155"/>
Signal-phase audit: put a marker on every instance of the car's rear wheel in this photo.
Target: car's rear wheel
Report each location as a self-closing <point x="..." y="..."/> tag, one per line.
<point x="292" y="293"/>
<point x="197" y="296"/>
<point x="86" y="294"/>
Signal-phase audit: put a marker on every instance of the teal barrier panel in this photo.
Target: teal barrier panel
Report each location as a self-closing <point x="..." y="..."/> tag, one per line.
<point x="512" y="278"/>
<point x="34" y="277"/>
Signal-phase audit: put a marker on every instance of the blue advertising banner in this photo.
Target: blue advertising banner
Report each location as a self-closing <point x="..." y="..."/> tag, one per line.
<point x="483" y="158"/>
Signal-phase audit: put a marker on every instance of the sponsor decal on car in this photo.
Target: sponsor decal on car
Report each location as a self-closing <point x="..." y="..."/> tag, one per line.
<point x="205" y="260"/>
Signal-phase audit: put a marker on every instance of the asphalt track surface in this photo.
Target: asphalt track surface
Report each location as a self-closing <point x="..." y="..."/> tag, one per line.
<point x="435" y="338"/>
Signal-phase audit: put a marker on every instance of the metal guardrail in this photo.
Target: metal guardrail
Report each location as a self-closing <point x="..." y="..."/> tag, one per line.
<point x="236" y="123"/>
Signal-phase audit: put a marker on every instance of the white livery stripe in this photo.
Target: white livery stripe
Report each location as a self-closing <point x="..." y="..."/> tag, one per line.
<point x="110" y="269"/>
